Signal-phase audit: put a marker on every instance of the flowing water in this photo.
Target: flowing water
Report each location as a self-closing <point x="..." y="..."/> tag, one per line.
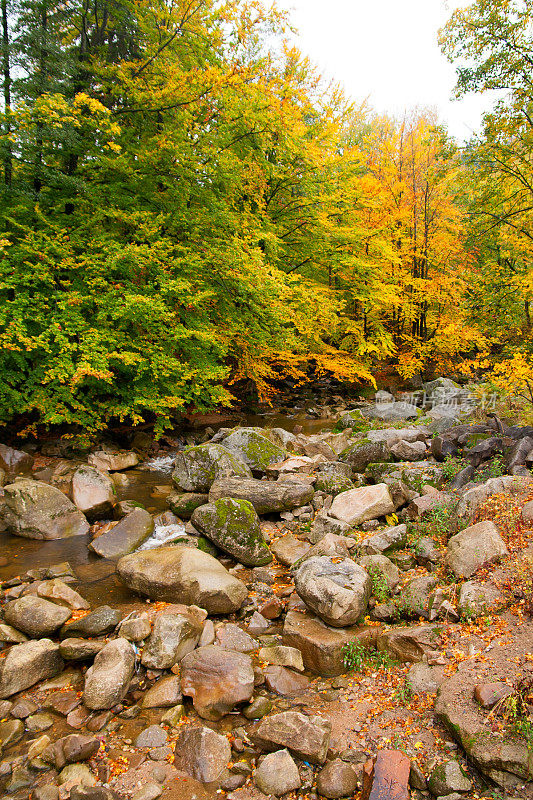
<point x="150" y="486"/>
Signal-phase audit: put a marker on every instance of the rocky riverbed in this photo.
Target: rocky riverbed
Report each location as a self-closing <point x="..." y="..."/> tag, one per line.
<point x="320" y="606"/>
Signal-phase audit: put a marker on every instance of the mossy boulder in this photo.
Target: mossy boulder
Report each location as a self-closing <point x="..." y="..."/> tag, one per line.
<point x="334" y="478"/>
<point x="197" y="468"/>
<point x="184" y="503"/>
<point x="233" y="525"/>
<point x="36" y="510"/>
<point x="254" y="449"/>
<point x="364" y="452"/>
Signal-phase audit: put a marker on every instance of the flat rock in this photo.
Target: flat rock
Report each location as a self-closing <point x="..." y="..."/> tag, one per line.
<point x="321" y="646"/>
<point x="165" y="693"/>
<point x="231" y="637"/>
<point x="285" y="682"/>
<point x="387" y="776"/>
<point x="113" y="460"/>
<point x="126" y="536"/>
<point x="282" y="656"/>
<point x="266" y="496"/>
<point x="305" y="737"/>
<point x="99" y="622"/>
<point x="410" y="644"/>
<point x="184" y="575"/>
<point x="288" y="549"/>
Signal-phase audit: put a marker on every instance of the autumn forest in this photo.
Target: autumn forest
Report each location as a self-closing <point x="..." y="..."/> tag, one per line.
<point x="191" y="213"/>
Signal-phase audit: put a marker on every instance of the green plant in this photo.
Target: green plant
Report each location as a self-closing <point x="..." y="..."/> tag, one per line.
<point x="358" y="658"/>
<point x="452" y="466"/>
<point x="439" y="524"/>
<point x="403" y="694"/>
<point x="515" y="709"/>
<point x="380" y="588"/>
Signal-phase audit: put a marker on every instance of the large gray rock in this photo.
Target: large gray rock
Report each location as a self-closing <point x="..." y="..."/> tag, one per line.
<point x="126" y="536"/>
<point x="305" y="737"/>
<point x="184" y="503"/>
<point x="337" y="590"/>
<point x="252" y="447"/>
<point x="363" y="504"/>
<point x="391" y="412"/>
<point x="478" y="599"/>
<point x="196" y="468"/>
<point x="107" y="681"/>
<point x="183" y="575"/>
<point x="173" y="636"/>
<point x="416" y="596"/>
<point x="385" y="541"/>
<point x="202" y="753"/>
<point x="36" y="617"/>
<point x="233" y="525"/>
<point x="27" y="664"/>
<point x="36" y="510"/>
<point x="216" y="680"/>
<point x="277" y="774"/>
<point x="93" y="492"/>
<point x="266" y="496"/>
<point x="447" y="778"/>
<point x="475" y="546"/>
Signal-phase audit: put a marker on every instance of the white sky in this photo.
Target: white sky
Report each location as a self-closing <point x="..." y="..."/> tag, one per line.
<point x="387" y="51"/>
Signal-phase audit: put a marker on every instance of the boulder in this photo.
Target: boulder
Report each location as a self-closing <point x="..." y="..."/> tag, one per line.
<point x="233" y="525"/>
<point x="80" y="649"/>
<point x="337" y="779"/>
<point x="391" y="412"/>
<point x="384" y="541"/>
<point x="364" y="452"/>
<point x="478" y="599"/>
<point x="423" y="678"/>
<point x="473" y="498"/>
<point x="172" y="637"/>
<point x="489" y="695"/>
<point x="281" y="656"/>
<point x="324" y="524"/>
<point x="288" y="549"/>
<point x="387" y="776"/>
<point x="267" y="497"/>
<point x="93" y="492"/>
<point x="202" y="753"/>
<point x="448" y="777"/>
<point x="14" y="462"/>
<point x="165" y="693"/>
<point x="231" y="637"/>
<point x="27" y="664"/>
<point x="337" y="590"/>
<point x="416" y="596"/>
<point x="126" y="536"/>
<point x="411" y="644"/>
<point x="60" y="593"/>
<point x="36" y="510"/>
<point x="216" y="680"/>
<point x="474" y="547"/>
<point x="99" y="622"/>
<point x="409" y="451"/>
<point x="113" y="460"/>
<point x="184" y="503"/>
<point x="285" y="682"/>
<point x="363" y="504"/>
<point x="380" y="565"/>
<point x="152" y="737"/>
<point x="183" y="575"/>
<point x="70" y="750"/>
<point x="197" y="468"/>
<point x="35" y="617"/>
<point x="252" y="447"/>
<point x="277" y="774"/>
<point x="322" y="647"/>
<point x="505" y="759"/>
<point x="107" y="681"/>
<point x="306" y="737"/>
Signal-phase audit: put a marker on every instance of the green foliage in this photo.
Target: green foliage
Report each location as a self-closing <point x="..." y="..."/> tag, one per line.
<point x="380" y="588"/>
<point x="439" y="524"/>
<point x="358" y="658"/>
<point x="452" y="466"/>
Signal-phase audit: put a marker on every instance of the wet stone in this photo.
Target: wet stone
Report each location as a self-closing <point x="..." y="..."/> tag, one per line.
<point x="153" y="736"/>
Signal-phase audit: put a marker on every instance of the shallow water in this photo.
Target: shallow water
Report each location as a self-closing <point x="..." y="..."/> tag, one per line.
<point x="148" y="485"/>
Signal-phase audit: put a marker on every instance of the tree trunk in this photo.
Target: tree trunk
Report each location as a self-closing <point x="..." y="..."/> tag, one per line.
<point x="6" y="69"/>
